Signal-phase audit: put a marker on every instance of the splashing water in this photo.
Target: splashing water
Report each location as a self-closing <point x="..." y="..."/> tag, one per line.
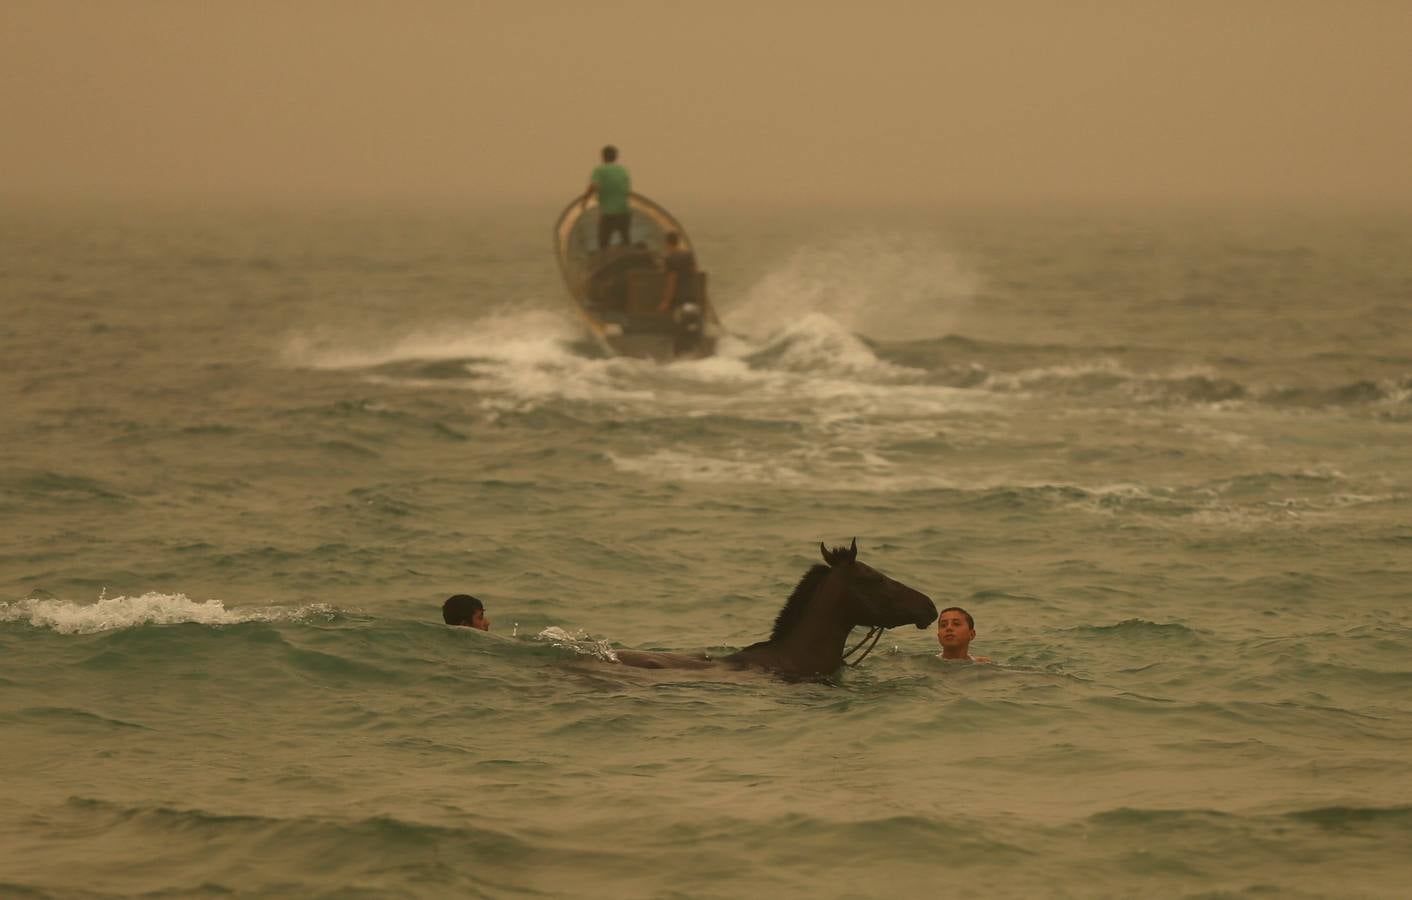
<point x="579" y="643"/>
<point x="112" y="613"/>
<point x="887" y="286"/>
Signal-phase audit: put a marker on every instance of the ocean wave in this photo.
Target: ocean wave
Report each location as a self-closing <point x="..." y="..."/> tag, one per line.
<point x="1129" y="629"/>
<point x="816" y="343"/>
<point x="1256" y="500"/>
<point x="884" y="285"/>
<point x="1352" y="394"/>
<point x="1244" y="503"/>
<point x="1330" y="818"/>
<point x="507" y="335"/>
<point x="818" y="325"/>
<point x="522" y="359"/>
<point x="465" y="854"/>
<point x="343" y="845"/>
<point x="22" y="488"/>
<point x="858" y="472"/>
<point x="672" y="465"/>
<point x="1105" y="377"/>
<point x="1350" y="818"/>
<point x="76" y="719"/>
<point x="1137" y="376"/>
<point x="518" y="361"/>
<point x="895" y="835"/>
<point x="1161" y="819"/>
<point x="1262" y="482"/>
<point x="112" y="613"/>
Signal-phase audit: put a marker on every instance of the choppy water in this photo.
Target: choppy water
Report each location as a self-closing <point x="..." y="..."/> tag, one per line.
<point x="1163" y="459"/>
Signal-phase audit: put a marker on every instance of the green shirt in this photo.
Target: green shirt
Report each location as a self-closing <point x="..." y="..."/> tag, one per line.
<point x="613" y="186"/>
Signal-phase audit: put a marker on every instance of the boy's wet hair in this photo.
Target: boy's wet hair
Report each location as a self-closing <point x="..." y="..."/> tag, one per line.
<point x="610" y="154"/>
<point x="461" y="609"/>
<point x="970" y="622"/>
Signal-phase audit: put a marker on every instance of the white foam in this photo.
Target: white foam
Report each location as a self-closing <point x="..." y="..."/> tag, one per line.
<point x="580" y="643"/>
<point x="803" y="470"/>
<point x="1396" y="392"/>
<point x="673" y="465"/>
<point x="813" y="365"/>
<point x="111" y="613"/>
<point x="1141" y="387"/>
<point x="806" y="353"/>
<point x="1028" y="378"/>
<point x="513" y="335"/>
<point x="818" y="343"/>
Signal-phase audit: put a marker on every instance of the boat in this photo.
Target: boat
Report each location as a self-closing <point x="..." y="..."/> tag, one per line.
<point x="617" y="291"/>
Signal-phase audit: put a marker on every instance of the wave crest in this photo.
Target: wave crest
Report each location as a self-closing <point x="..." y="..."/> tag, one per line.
<point x="152" y="608"/>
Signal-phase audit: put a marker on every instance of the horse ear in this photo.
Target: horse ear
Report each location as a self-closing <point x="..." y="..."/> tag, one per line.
<point x="838" y="554"/>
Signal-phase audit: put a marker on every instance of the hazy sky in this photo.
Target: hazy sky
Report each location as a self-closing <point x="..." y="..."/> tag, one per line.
<point x="754" y="102"/>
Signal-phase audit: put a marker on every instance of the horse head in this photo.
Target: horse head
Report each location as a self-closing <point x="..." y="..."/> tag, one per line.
<point x="872" y="598"/>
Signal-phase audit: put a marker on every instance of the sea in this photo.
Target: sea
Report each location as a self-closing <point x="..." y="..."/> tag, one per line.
<point x="1163" y="457"/>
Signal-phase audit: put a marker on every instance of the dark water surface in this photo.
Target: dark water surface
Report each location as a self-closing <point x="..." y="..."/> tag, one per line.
<point x="1163" y="459"/>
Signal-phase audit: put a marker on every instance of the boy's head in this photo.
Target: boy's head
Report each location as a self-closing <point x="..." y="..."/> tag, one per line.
<point x="955" y="629"/>
<point x="463" y="609"/>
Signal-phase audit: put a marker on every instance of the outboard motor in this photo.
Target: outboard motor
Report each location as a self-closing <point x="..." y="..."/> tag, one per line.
<point x="690" y="320"/>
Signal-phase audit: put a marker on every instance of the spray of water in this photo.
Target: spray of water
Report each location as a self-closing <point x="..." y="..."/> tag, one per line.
<point x="112" y="613"/>
<point x="884" y="286"/>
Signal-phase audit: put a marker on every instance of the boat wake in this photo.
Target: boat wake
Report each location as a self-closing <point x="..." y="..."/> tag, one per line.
<point x="505" y="334"/>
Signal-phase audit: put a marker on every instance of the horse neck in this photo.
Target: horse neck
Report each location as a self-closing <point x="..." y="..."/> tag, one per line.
<point x="822" y="630"/>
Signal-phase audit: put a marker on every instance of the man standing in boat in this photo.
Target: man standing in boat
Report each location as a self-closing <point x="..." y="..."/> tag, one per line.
<point x="611" y="183"/>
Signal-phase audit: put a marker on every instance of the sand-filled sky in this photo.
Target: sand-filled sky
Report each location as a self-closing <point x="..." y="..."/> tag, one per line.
<point x="761" y="102"/>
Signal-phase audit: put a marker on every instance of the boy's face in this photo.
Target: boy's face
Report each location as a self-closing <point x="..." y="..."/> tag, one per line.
<point x="952" y="632"/>
<point x="478" y="620"/>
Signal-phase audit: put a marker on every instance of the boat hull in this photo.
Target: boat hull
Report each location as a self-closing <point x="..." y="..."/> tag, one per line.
<point x="617" y="291"/>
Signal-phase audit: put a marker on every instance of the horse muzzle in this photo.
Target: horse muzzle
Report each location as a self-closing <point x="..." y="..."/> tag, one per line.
<point x="926" y="616"/>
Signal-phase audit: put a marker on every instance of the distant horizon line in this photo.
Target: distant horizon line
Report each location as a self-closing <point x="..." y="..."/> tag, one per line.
<point x="503" y="202"/>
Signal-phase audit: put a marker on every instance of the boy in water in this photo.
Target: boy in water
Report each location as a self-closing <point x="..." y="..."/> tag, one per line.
<point x="463" y="609"/>
<point x="955" y="629"/>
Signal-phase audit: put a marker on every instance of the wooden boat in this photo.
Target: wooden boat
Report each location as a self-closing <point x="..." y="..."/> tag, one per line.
<point x="617" y="291"/>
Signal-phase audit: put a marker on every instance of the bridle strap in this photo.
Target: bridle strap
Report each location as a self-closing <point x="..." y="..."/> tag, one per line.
<point x="873" y="634"/>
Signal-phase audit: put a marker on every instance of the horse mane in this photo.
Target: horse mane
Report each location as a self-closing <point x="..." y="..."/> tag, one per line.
<point x="793" y="609"/>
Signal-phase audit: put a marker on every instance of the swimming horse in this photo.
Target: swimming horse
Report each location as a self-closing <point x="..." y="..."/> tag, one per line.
<point x="813" y="626"/>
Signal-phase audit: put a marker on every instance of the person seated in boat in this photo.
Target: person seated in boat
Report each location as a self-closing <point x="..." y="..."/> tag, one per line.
<point x="465" y="610"/>
<point x="679" y="264"/>
<point x="955" y="629"/>
<point x="611" y="182"/>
